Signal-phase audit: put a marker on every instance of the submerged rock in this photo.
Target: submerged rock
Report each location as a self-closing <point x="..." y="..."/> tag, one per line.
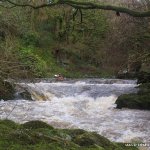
<point x="141" y="100"/>
<point x="22" y="92"/>
<point x="26" y="95"/>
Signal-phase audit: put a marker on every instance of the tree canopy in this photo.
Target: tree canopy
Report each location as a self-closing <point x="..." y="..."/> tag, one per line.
<point x="43" y="37"/>
<point x="75" y="4"/>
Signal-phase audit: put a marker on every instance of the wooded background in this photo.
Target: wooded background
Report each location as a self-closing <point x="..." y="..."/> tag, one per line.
<point x="73" y="41"/>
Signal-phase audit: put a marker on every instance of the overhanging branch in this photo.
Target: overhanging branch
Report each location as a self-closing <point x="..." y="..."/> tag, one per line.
<point x="84" y="5"/>
<point x="29" y="5"/>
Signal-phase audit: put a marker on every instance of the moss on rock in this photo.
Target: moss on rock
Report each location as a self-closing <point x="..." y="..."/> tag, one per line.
<point x="36" y="125"/>
<point x="143" y="77"/>
<point x="37" y="135"/>
<point x="8" y="123"/>
<point x="140" y="100"/>
<point x="91" y="139"/>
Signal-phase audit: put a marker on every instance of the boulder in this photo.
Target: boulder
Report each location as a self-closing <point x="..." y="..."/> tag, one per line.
<point x="26" y="95"/>
<point x="143" y="77"/>
<point x="36" y="124"/>
<point x="22" y="92"/>
<point x="38" y="135"/>
<point x="140" y="100"/>
<point x="7" y="91"/>
<point x="127" y="75"/>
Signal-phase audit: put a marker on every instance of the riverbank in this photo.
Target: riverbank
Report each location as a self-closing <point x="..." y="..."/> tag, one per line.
<point x="37" y="135"/>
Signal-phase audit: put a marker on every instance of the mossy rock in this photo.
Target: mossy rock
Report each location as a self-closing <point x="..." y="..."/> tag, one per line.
<point x="134" y="101"/>
<point x="145" y="86"/>
<point x="21" y="137"/>
<point x="6" y="127"/>
<point x="9" y="124"/>
<point x="84" y="140"/>
<point x="36" y="125"/>
<point x="91" y="139"/>
<point x="143" y="77"/>
<point x="37" y="135"/>
<point x="6" y="90"/>
<point x="128" y="75"/>
<point x="26" y="95"/>
<point x="144" y="89"/>
<point x="74" y="132"/>
<point x="140" y="100"/>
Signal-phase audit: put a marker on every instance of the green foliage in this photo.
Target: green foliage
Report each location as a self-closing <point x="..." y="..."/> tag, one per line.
<point x="32" y="61"/>
<point x="80" y="42"/>
<point x="36" y="125"/>
<point x="37" y="135"/>
<point x="30" y="39"/>
<point x="98" y="44"/>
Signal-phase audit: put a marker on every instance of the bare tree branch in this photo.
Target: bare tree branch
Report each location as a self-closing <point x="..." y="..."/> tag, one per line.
<point x="29" y="5"/>
<point x="83" y="5"/>
<point x="11" y="111"/>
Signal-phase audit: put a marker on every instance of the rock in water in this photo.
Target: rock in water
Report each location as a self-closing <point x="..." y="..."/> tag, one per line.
<point x="141" y="100"/>
<point x="143" y="77"/>
<point x="7" y="90"/>
<point x="23" y="92"/>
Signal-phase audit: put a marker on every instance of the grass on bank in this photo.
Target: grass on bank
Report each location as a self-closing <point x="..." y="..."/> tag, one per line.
<point x="37" y="135"/>
<point x="43" y="64"/>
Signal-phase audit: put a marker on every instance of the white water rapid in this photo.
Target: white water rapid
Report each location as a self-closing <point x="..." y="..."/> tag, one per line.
<point x="87" y="104"/>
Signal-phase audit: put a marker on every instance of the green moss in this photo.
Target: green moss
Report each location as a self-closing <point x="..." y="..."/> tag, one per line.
<point x="37" y="135"/>
<point x="22" y="137"/>
<point x="8" y="124"/>
<point x="141" y="100"/>
<point x="86" y="139"/>
<point x="134" y="101"/>
<point x="32" y="61"/>
<point x="143" y="77"/>
<point x="36" y="125"/>
<point x="144" y="88"/>
<point x="93" y="140"/>
<point x="74" y="132"/>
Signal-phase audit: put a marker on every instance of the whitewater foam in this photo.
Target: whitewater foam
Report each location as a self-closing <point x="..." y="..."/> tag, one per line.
<point x="82" y="104"/>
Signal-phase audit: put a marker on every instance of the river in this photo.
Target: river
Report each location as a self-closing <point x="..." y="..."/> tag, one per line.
<point x="87" y="104"/>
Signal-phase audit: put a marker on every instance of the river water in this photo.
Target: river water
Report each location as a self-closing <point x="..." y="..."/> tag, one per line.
<point x="87" y="104"/>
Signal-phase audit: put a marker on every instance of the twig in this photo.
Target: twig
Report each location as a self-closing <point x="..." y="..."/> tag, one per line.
<point x="11" y="111"/>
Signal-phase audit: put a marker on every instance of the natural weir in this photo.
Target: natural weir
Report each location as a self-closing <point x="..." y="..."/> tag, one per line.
<point x="87" y="104"/>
